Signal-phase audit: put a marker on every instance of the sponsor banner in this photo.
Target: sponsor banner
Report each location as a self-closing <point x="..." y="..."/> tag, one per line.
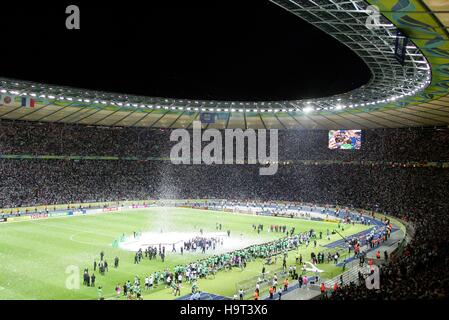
<point x="286" y="215"/>
<point x="111" y="209"/>
<point x="58" y="214"/>
<point x="187" y="207"/>
<point x="139" y="206"/>
<point x="39" y="216"/>
<point x="21" y="218"/>
<point x="94" y="211"/>
<point x="78" y="212"/>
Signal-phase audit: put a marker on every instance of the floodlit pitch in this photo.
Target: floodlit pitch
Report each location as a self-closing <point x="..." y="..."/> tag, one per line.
<point x="39" y="256"/>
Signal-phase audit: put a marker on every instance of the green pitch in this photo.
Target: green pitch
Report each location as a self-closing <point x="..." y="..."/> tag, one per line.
<point x="36" y="257"/>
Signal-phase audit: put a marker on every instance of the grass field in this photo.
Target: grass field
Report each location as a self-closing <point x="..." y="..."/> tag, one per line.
<point x="35" y="255"/>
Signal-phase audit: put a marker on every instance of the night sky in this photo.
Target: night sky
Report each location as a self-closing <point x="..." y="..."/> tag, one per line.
<point x="226" y="50"/>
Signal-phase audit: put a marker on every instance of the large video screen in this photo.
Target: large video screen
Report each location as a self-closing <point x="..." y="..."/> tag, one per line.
<point x="345" y="139"/>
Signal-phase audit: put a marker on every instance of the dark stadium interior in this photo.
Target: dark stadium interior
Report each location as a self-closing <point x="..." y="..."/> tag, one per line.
<point x="233" y="50"/>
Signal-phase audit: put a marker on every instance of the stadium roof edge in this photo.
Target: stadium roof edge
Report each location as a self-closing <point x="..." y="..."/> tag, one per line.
<point x="413" y="94"/>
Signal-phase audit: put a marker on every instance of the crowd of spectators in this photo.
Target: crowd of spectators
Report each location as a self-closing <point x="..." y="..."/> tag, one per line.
<point x="33" y="182"/>
<point x="417" y="195"/>
<point x="30" y="138"/>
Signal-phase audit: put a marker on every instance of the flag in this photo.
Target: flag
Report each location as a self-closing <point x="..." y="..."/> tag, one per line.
<point x="6" y="100"/>
<point x="222" y="116"/>
<point x="206" y="117"/>
<point x="28" y="102"/>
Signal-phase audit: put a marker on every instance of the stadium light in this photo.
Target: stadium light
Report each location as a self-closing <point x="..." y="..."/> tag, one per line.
<point x="307" y="109"/>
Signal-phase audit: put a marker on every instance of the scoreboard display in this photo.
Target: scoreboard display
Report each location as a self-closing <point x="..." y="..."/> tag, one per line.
<point x="345" y="139"/>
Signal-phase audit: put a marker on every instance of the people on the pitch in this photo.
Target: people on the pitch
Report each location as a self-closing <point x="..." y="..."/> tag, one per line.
<point x="86" y="278"/>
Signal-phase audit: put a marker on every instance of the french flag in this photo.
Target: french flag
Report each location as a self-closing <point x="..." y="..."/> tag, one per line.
<point x="28" y="102"/>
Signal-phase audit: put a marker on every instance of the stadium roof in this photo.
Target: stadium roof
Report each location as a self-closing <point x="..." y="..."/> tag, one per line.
<point x="415" y="93"/>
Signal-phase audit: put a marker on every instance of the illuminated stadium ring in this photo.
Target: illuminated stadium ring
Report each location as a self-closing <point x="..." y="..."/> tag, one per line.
<point x="422" y="79"/>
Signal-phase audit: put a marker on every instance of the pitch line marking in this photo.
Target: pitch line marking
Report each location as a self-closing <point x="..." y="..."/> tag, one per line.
<point x="83" y="242"/>
<point x="75" y="229"/>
